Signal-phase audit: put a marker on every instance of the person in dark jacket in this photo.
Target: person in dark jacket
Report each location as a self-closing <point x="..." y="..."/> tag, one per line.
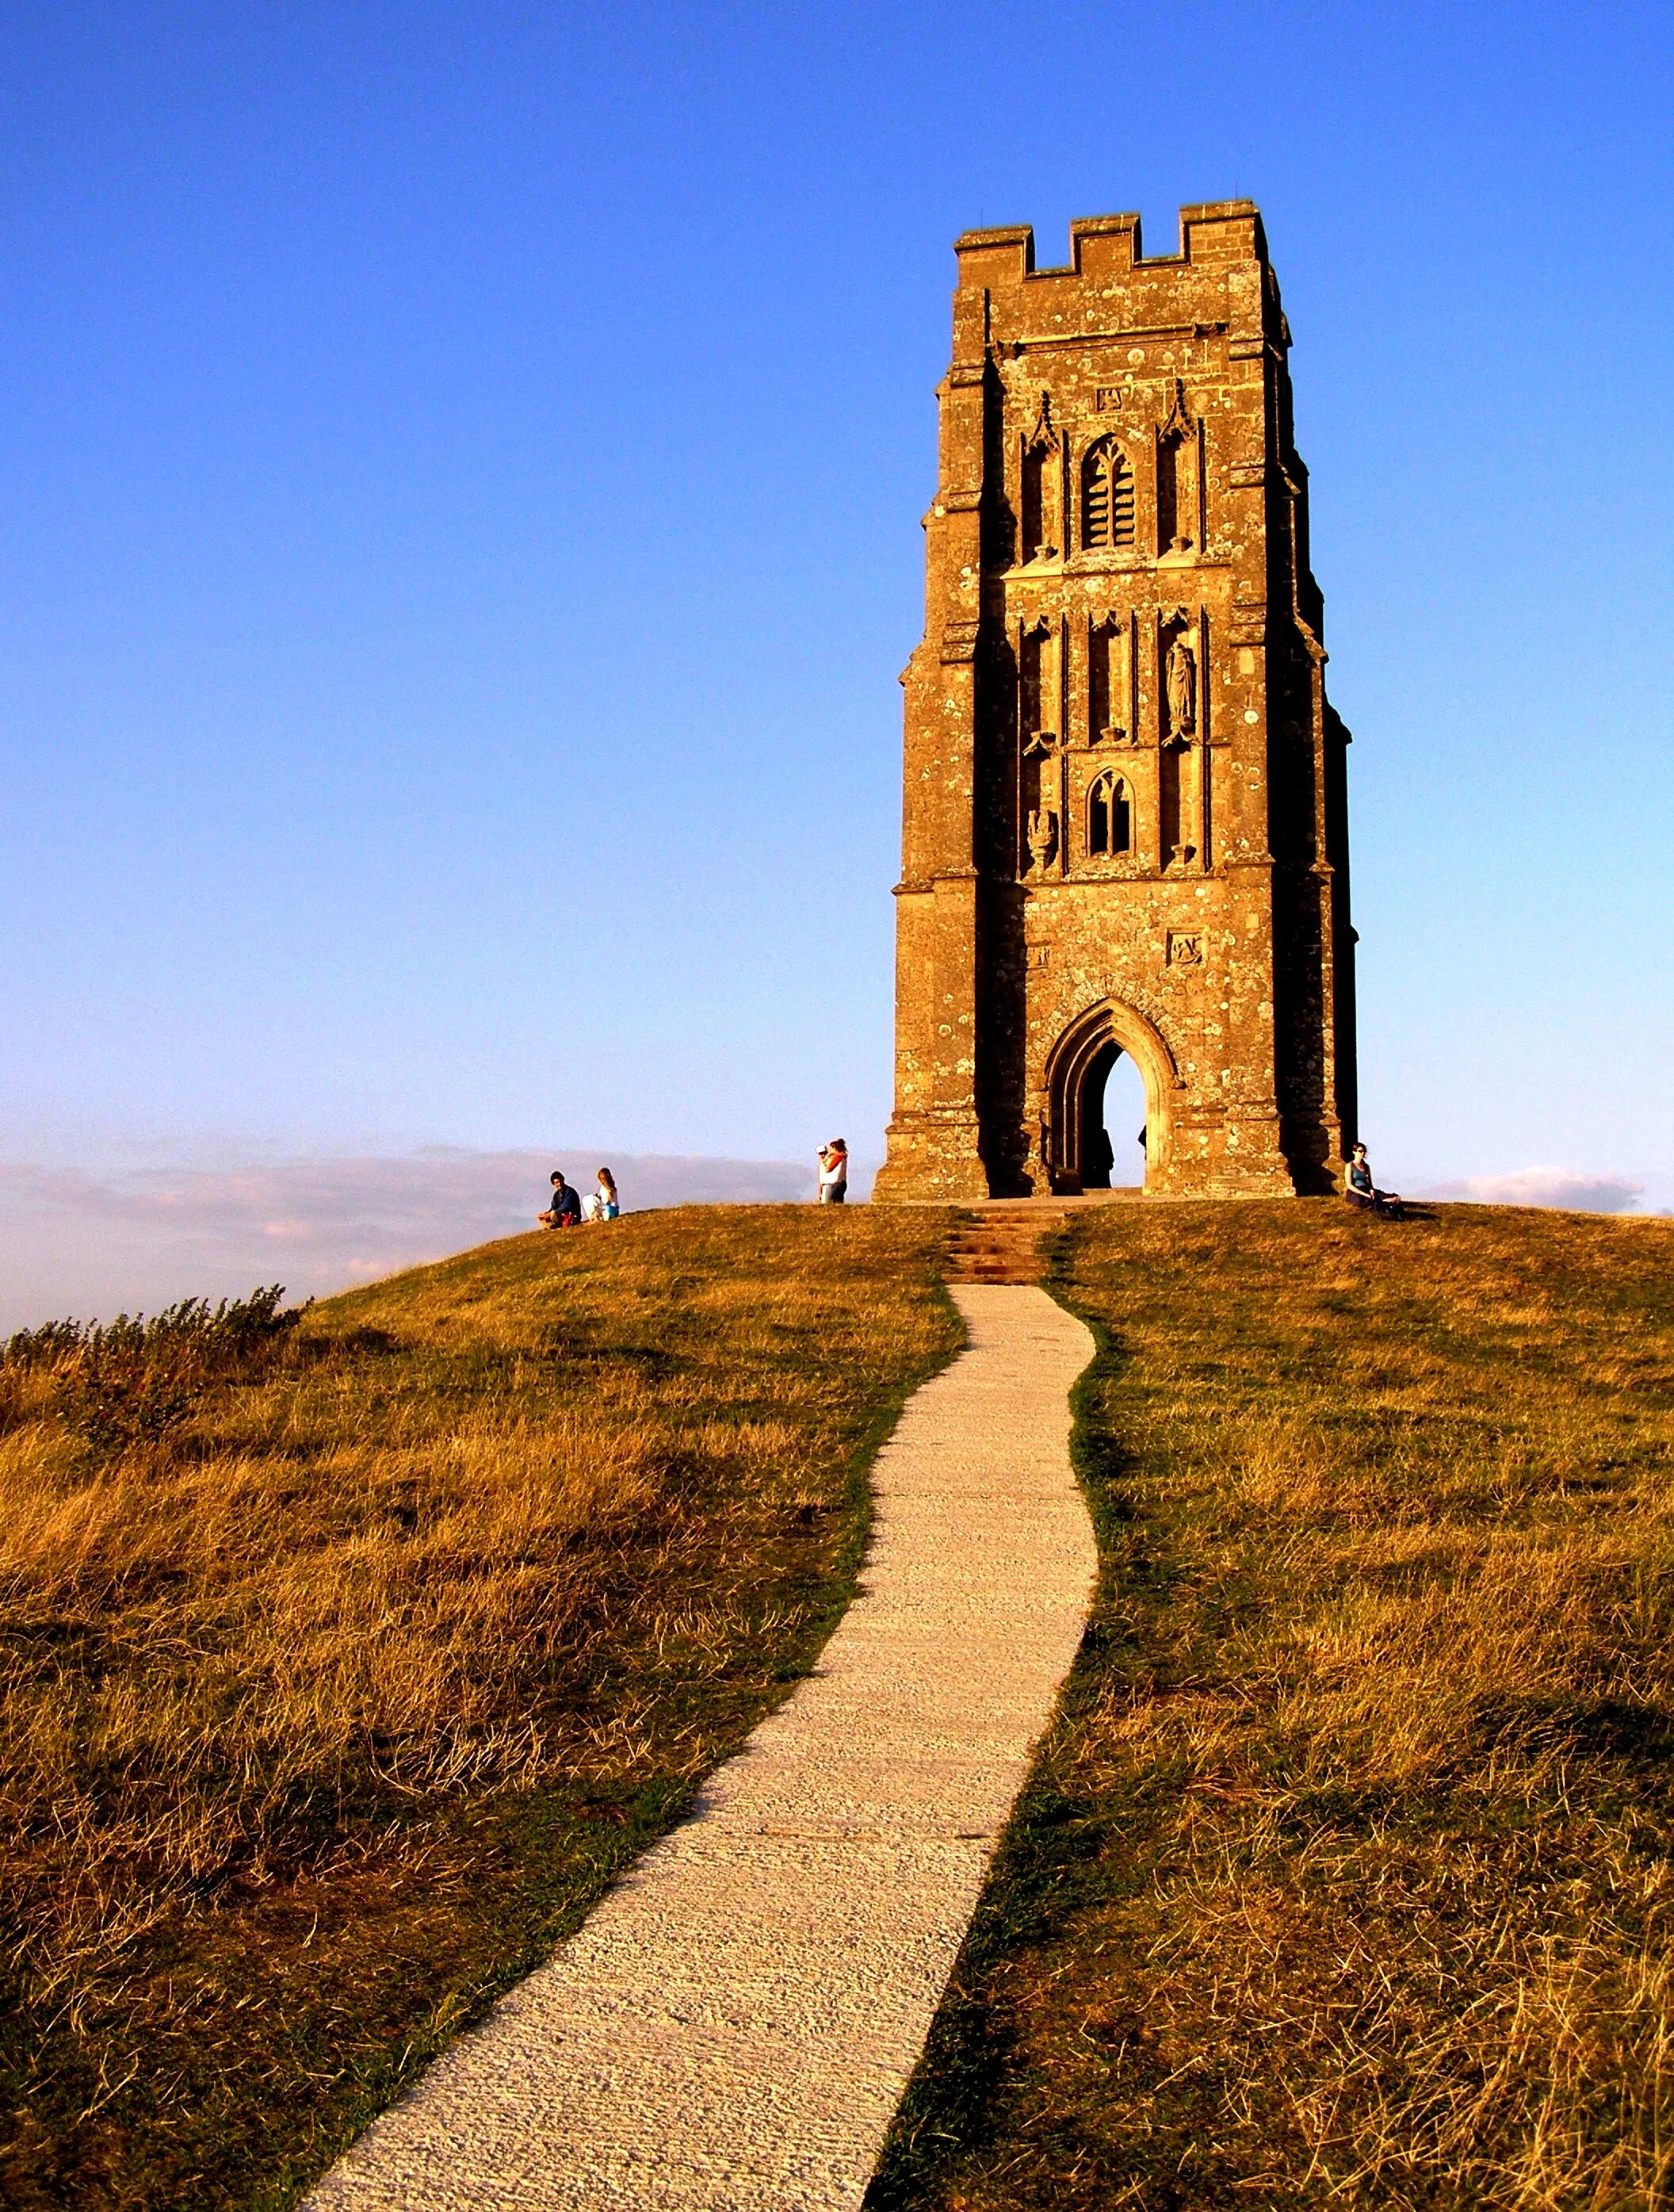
<point x="565" y="1211"/>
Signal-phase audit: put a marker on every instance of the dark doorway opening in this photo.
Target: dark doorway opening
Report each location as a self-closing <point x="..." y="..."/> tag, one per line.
<point x="1098" y="1100"/>
<point x="1098" y="1104"/>
<point x="1111" y="1122"/>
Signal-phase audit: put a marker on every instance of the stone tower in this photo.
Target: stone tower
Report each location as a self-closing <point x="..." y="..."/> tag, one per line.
<point x="1125" y="827"/>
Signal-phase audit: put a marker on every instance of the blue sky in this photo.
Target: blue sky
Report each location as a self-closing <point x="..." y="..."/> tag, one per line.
<point x="460" y="481"/>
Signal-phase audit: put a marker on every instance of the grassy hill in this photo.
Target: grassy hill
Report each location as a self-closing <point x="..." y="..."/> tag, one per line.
<point x="343" y="1668"/>
<point x="344" y="1664"/>
<point x="1347" y="1874"/>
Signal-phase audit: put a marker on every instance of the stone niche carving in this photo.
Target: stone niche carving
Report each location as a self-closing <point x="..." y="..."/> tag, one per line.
<point x="1110" y="713"/>
<point x="1180" y="681"/>
<point x="1179" y="479"/>
<point x="1039" y="748"/>
<point x="1040" y="535"/>
<point x="1186" y="949"/>
<point x="1180" y="687"/>
<point x="1037" y="685"/>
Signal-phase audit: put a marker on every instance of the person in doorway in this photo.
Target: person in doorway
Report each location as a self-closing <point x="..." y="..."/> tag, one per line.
<point x="610" y="1206"/>
<point x="565" y="1211"/>
<point x="1361" y="1191"/>
<point x="833" y="1172"/>
<point x="1101" y="1159"/>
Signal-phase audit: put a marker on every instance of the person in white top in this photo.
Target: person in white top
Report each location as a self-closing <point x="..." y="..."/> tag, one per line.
<point x="833" y="1172"/>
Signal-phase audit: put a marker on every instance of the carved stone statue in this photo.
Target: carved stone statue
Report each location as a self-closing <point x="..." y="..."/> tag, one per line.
<point x="1042" y="836"/>
<point x="1182" y="690"/>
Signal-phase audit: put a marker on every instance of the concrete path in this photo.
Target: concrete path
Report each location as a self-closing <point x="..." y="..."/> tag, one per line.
<point x="733" y="2027"/>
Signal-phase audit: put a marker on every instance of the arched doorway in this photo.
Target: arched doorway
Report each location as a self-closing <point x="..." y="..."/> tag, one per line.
<point x="1122" y="1116"/>
<point x="1089" y="1086"/>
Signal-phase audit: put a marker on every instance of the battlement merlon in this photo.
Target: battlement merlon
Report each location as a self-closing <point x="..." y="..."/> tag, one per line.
<point x="1216" y="232"/>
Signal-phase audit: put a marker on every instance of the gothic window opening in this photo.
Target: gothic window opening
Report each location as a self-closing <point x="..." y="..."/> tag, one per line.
<point x="1109" y="818"/>
<point x="1107" y="499"/>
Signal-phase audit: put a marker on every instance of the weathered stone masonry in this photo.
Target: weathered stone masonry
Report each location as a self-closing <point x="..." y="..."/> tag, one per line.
<point x="1126" y="826"/>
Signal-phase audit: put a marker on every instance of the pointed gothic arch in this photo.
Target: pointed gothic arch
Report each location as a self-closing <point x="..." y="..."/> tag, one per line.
<point x="1109" y="817"/>
<point x="1076" y="1068"/>
<point x="1106" y="497"/>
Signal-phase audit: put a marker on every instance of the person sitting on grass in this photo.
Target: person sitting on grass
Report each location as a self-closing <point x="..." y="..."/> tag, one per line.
<point x="1362" y="1192"/>
<point x="565" y="1211"/>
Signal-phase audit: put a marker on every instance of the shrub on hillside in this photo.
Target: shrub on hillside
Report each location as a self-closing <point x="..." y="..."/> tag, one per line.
<point x="133" y="1380"/>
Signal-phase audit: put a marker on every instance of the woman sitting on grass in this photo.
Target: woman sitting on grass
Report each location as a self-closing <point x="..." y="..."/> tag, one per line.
<point x="600" y="1205"/>
<point x="1361" y="1191"/>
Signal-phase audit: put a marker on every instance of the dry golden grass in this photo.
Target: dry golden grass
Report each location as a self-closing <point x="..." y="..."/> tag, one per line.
<point x="1346" y="1877"/>
<point x="333" y="1708"/>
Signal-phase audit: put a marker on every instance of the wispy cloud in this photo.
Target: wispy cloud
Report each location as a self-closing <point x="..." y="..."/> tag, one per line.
<point x="76" y="1243"/>
<point x="1561" y="1187"/>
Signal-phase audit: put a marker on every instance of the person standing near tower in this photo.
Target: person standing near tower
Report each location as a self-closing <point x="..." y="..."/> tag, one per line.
<point x="833" y="1172"/>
